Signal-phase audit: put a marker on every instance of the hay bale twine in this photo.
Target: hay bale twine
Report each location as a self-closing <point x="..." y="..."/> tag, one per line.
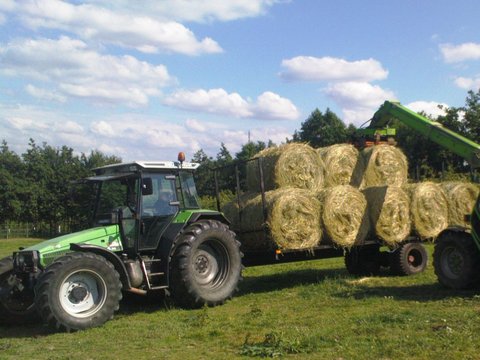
<point x="344" y="215"/>
<point x="461" y="197"/>
<point x="293" y="220"/>
<point x="428" y="209"/>
<point x="389" y="212"/>
<point x="381" y="165"/>
<point x="340" y="161"/>
<point x="290" y="165"/>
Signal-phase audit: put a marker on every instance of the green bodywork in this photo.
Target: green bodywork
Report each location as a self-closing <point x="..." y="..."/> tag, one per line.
<point x="433" y="130"/>
<point x="450" y="140"/>
<point x="107" y="237"/>
<point x="104" y="236"/>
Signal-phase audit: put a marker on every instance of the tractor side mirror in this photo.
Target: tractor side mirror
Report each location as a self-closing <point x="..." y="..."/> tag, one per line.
<point x="147" y="186"/>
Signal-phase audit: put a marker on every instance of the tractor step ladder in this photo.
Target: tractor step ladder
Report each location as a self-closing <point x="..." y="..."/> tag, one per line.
<point x="150" y="276"/>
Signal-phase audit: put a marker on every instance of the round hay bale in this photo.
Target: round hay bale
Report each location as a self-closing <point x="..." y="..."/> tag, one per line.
<point x="381" y="165"/>
<point x="290" y="165"/>
<point x="389" y="212"/>
<point x="293" y="220"/>
<point x="344" y="215"/>
<point x="428" y="209"/>
<point x="461" y="197"/>
<point x="340" y="162"/>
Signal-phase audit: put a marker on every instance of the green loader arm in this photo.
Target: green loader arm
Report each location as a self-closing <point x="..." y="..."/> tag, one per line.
<point x="434" y="131"/>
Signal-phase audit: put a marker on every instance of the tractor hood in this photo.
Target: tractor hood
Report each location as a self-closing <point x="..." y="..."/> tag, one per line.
<point x="105" y="236"/>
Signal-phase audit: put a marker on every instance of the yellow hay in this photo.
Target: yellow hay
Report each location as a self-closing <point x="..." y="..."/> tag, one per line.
<point x="428" y="209"/>
<point x="461" y="198"/>
<point x="344" y="215"/>
<point x="340" y="162"/>
<point x="290" y="165"/>
<point x="293" y="220"/>
<point x="381" y="165"/>
<point x="389" y="211"/>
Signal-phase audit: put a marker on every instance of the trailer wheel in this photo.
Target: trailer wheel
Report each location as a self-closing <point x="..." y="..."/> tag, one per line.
<point x="363" y="260"/>
<point x="78" y="291"/>
<point x="206" y="265"/>
<point x="408" y="259"/>
<point x="456" y="260"/>
<point x="15" y="307"/>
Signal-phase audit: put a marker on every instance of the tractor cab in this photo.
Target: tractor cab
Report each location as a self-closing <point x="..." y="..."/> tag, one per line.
<point x="143" y="198"/>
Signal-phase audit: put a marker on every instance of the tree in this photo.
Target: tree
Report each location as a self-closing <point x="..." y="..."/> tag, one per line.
<point x="11" y="184"/>
<point x="203" y="176"/>
<point x="321" y="130"/>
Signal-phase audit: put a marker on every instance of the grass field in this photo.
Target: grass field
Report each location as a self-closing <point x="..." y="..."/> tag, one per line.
<point x="301" y="310"/>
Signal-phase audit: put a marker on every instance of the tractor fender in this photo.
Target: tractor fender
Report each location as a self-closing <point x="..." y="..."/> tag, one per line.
<point x="109" y="256"/>
<point x="208" y="216"/>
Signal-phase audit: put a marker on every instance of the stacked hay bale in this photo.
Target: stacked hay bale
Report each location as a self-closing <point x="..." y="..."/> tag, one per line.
<point x="461" y="197"/>
<point x="381" y="165"/>
<point x="292" y="220"/>
<point x="344" y="215"/>
<point x="341" y="162"/>
<point x="340" y="196"/>
<point x="290" y="165"/>
<point x="428" y="209"/>
<point x="389" y="211"/>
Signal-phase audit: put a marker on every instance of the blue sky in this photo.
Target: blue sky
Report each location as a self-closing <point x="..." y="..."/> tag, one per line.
<point x="146" y="79"/>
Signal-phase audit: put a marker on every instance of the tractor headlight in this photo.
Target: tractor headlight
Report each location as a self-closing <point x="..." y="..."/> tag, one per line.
<point x="26" y="261"/>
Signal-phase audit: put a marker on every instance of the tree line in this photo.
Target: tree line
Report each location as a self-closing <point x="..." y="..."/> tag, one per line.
<point x="36" y="186"/>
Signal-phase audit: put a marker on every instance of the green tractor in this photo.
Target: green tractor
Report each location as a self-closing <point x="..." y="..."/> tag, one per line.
<point x="149" y="234"/>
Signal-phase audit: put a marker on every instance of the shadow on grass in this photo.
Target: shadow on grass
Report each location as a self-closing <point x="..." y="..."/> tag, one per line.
<point x="419" y="292"/>
<point x="286" y="280"/>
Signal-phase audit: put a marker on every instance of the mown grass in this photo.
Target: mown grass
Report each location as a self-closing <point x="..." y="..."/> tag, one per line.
<point x="302" y="310"/>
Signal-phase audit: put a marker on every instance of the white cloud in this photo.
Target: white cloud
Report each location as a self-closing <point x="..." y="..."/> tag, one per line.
<point x="431" y="108"/>
<point x="3" y="19"/>
<point x="358" y="100"/>
<point x="195" y="125"/>
<point x="127" y="29"/>
<point x="458" y="53"/>
<point x="45" y="94"/>
<point x="218" y="101"/>
<point x="272" y="106"/>
<point x="80" y="72"/>
<point x="468" y="83"/>
<point x="194" y="10"/>
<point x="102" y="128"/>
<point x="309" y="68"/>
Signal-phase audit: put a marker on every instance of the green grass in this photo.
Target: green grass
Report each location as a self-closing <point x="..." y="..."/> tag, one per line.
<point x="298" y="310"/>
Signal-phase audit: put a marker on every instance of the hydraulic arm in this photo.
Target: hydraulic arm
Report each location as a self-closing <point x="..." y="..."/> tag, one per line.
<point x="434" y="131"/>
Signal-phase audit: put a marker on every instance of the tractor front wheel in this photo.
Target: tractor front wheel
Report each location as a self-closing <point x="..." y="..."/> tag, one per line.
<point x="206" y="265"/>
<point x="16" y="307"/>
<point x="78" y="291"/>
<point x="456" y="260"/>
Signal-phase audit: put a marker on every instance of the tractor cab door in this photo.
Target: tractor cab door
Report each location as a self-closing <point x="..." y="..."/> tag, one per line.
<point x="159" y="206"/>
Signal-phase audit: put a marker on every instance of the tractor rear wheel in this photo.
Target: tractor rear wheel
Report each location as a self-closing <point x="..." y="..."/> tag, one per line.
<point x="410" y="258"/>
<point x="78" y="291"/>
<point x="456" y="260"/>
<point x="17" y="307"/>
<point x="206" y="265"/>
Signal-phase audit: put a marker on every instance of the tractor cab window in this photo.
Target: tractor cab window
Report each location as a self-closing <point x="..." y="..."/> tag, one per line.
<point x="118" y="194"/>
<point x="159" y="202"/>
<point x="158" y="209"/>
<point x="189" y="191"/>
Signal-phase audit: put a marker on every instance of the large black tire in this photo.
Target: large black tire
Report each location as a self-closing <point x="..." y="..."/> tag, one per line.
<point x="78" y="291"/>
<point x="456" y="260"/>
<point x="18" y="308"/>
<point x="408" y="259"/>
<point x="363" y="260"/>
<point x="206" y="265"/>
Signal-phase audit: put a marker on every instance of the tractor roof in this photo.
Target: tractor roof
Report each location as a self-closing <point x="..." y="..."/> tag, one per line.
<point x="145" y="165"/>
